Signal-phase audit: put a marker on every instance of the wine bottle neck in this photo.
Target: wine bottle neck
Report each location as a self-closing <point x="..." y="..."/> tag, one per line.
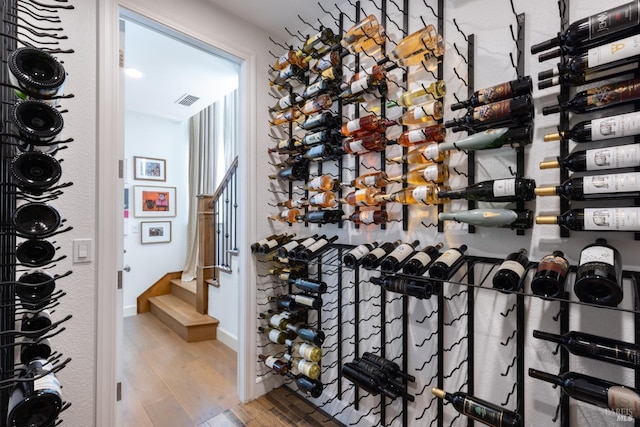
<point x="558" y="339"/>
<point x="544" y="376"/>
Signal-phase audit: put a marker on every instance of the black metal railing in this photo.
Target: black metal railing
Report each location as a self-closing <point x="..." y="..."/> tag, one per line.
<point x="225" y="210"/>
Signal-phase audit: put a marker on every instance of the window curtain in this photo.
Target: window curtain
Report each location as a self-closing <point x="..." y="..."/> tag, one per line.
<point x="212" y="148"/>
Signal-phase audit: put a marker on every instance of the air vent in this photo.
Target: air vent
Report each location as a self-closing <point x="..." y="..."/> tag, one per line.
<point x="187" y="100"/>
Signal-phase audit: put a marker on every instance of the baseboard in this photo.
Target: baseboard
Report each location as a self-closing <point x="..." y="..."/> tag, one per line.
<point x="130" y="310"/>
<point x="227" y="339"/>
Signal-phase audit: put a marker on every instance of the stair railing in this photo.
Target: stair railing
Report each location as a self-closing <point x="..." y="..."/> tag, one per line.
<point x="225" y="209"/>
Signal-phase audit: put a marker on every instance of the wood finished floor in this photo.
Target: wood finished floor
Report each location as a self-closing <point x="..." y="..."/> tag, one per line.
<point x="171" y="383"/>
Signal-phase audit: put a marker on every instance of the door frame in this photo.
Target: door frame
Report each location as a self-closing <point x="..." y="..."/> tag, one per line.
<point x="110" y="153"/>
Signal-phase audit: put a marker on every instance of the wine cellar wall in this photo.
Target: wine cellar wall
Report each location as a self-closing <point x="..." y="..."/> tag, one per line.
<point x="388" y="295"/>
<point x="32" y="81"/>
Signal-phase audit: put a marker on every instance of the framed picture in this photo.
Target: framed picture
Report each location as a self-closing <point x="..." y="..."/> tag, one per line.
<point x="146" y="168"/>
<point x="155" y="232"/>
<point x="154" y="201"/>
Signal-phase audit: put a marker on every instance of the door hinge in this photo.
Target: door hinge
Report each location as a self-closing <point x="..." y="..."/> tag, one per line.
<point x="120" y="168"/>
<point x="118" y="392"/>
<point x="121" y="58"/>
<point x="119" y="279"/>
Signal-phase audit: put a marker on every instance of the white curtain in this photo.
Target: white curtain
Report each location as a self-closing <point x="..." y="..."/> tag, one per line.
<point x="212" y="148"/>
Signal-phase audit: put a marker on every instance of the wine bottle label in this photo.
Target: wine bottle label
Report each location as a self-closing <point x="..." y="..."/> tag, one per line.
<point x="270" y="361"/>
<point x="614" y="20"/>
<point x="284" y="102"/>
<point x="377" y="253"/>
<point x="48" y="382"/>
<point x="449" y="257"/>
<point x="357" y="146"/>
<point x="615" y="51"/>
<point x="359" y="251"/>
<point x="314" y="138"/>
<point x="430" y="173"/>
<point x="353" y="125"/>
<point x="315" y="183"/>
<point x="616" y="126"/>
<point x="401" y="252"/>
<point x="554" y="263"/>
<point x="306" y="350"/>
<point x="318" y="245"/>
<point x="420" y="193"/>
<point x="313" y="89"/>
<point x="366" y="217"/>
<point x="262" y="242"/>
<point x="370" y="181"/>
<point x="319" y="199"/>
<point x="619" y="219"/>
<point x="494" y="111"/>
<point x="614" y="93"/>
<point x="482" y="413"/>
<point x="285" y="73"/>
<point x="415" y="136"/>
<point x="504" y="187"/>
<point x="273" y="243"/>
<point x="495" y="93"/>
<point x="597" y="254"/>
<point x="625" y="399"/>
<point x="423" y="257"/>
<point x="292" y="244"/>
<point x="426" y="110"/>
<point x="612" y="183"/>
<point x="360" y="85"/>
<point x="304" y="300"/>
<point x="623" y="156"/>
<point x="361" y="197"/>
<point x="514" y="266"/>
<point x="431" y="152"/>
<point x="274" y="334"/>
<point x="308" y="242"/>
<point x="275" y="320"/>
<point x="304" y="367"/>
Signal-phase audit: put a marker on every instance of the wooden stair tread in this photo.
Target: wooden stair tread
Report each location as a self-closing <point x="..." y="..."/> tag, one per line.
<point x="181" y="311"/>
<point x="189" y="286"/>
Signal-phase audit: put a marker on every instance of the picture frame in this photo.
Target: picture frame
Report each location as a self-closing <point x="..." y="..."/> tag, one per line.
<point x="149" y="169"/>
<point x="150" y="201"/>
<point x="155" y="232"/>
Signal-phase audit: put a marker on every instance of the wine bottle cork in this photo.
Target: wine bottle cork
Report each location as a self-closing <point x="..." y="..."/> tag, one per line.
<point x="547" y="219"/>
<point x="545" y="191"/>
<point x="552" y="137"/>
<point x="551" y="164"/>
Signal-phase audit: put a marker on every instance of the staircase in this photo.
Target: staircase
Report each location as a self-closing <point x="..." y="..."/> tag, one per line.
<point x="173" y="302"/>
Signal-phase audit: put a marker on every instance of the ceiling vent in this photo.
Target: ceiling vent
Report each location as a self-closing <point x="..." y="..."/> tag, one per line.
<point x="187" y="100"/>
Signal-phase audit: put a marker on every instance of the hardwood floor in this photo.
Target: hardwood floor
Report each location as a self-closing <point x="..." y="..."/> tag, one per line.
<point x="171" y="383"/>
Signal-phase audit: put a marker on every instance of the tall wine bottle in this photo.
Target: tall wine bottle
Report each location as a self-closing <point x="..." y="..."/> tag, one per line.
<point x="613" y="157"/>
<point x="367" y="29"/>
<point x="433" y="133"/>
<point x="308" y="334"/>
<point x="423" y="154"/>
<point x="296" y="172"/>
<point x="35" y="74"/>
<point x="309" y="285"/>
<point x="511" y="271"/>
<point x="492" y="138"/>
<point x="596" y="219"/>
<point x="511" y="89"/>
<point x="323" y="216"/>
<point x="368" y="123"/>
<point x="362" y="197"/>
<point x="435" y="90"/>
<point x="550" y="276"/>
<point x="318" y="122"/>
<point x="256" y="245"/>
<point x="353" y="258"/>
<point x="490" y="217"/>
<point x="423" y="114"/>
<point x="367" y="383"/>
<point x="448" y="263"/>
<point x="308" y="386"/>
<point x="293" y="246"/>
<point x="303" y="366"/>
<point x="287" y="101"/>
<point x="512" y="112"/>
<point x="283" y="302"/>
<point x="498" y="190"/>
<point x="420" y="262"/>
<point x="609" y="127"/>
<point x="314" y="302"/>
<point x="308" y="351"/>
<point x="289" y="216"/>
<point x="321" y="102"/>
<point x="372" y="260"/>
<point x="596" y="187"/>
<point x="366" y="143"/>
<point x="274" y="242"/>
<point x="392" y="262"/>
<point x="275" y="335"/>
<point x="369" y="217"/>
<point x="325" y="37"/>
<point x="595" y="391"/>
<point x="480" y="410"/>
<point x="392" y="368"/>
<point x="326" y="136"/>
<point x="374" y="179"/>
<point x="599" y="275"/>
<point x="36" y="398"/>
<point x="427" y="194"/>
<point x="323" y="183"/>
<point x="323" y="152"/>
<point x="435" y="173"/>
<point x="275" y="364"/>
<point x="317" y="247"/>
<point x="599" y="97"/>
<point x="405" y="286"/>
<point x="323" y="199"/>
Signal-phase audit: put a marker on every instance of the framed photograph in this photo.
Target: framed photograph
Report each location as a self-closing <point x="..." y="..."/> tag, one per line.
<point x="155" y="232"/>
<point x="146" y="168"/>
<point x="154" y="201"/>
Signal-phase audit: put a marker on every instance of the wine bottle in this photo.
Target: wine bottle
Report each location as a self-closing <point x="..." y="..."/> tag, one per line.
<point x="323" y="152"/>
<point x="599" y="97"/>
<point x="420" y="262"/>
<point x="275" y="335"/>
<point x="423" y="154"/>
<point x="372" y="260"/>
<point x="323" y="199"/>
<point x="327" y="136"/>
<point x="315" y="249"/>
<point x="308" y="351"/>
<point x="419" y="42"/>
<point x="498" y="190"/>
<point x="289" y="57"/>
<point x="550" y="276"/>
<point x="292" y="246"/>
<point x="323" y="183"/>
<point x="377" y="179"/>
<point x="276" y="365"/>
<point x="480" y="410"/>
<point x="325" y="37"/>
<point x="371" y="142"/>
<point x="364" y="381"/>
<point x="31" y="349"/>
<point x="318" y="122"/>
<point x="36" y="399"/>
<point x="36" y="324"/>
<point x="287" y="146"/>
<point x="277" y="321"/>
<point x="37" y="123"/>
<point x="596" y="187"/>
<point x="291" y="203"/>
<point x="256" y="246"/>
<point x="596" y="219"/>
<point x="35" y="252"/>
<point x="427" y="113"/>
<point x="405" y="286"/>
<point x="34" y="171"/>
<point x="283" y="301"/>
<point x="308" y="334"/>
<point x="492" y="138"/>
<point x="599" y="275"/>
<point x="512" y="112"/>
<point x="616" y="157"/>
<point x="383" y="377"/>
<point x="362" y="197"/>
<point x="328" y="60"/>
<point x="286" y="102"/>
<point x="435" y="90"/>
<point x="314" y="302"/>
<point x="595" y="29"/>
<point x="352" y="258"/>
<point x="617" y="126"/>
<point x="35" y="220"/>
<point x="511" y="271"/>
<point x="365" y="29"/>
<point x="290" y="72"/>
<point x="593" y="390"/>
<point x="323" y="216"/>
<point x="308" y="386"/>
<point x="596" y="347"/>
<point x="448" y="263"/>
<point x="321" y="87"/>
<point x="312" y="106"/>
<point x="289" y="216"/>
<point x="287" y="116"/>
<point x="366" y="89"/>
<point x="368" y="123"/>
<point x="35" y="74"/>
<point x="34" y="289"/>
<point x="392" y="368"/>
<point x="421" y="195"/>
<point x="333" y="73"/>
<point x="392" y="262"/>
<point x="489" y="217"/>
<point x="369" y="217"/>
<point x="502" y="91"/>
<point x="308" y="369"/>
<point x="285" y="274"/>
<point x="309" y="285"/>
<point x="435" y="133"/>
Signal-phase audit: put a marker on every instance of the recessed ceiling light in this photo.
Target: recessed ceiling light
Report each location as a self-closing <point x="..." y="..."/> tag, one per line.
<point x="133" y="72"/>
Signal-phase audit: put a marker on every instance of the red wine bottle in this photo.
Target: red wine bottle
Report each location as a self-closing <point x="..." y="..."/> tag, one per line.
<point x="610" y="157"/>
<point x="599" y="275"/>
<point x="388" y="366"/>
<point x="318" y="122"/>
<point x="448" y="263"/>
<point x="317" y="247"/>
<point x="599" y="97"/>
<point x="307" y="333"/>
<point x="323" y="216"/>
<point x="550" y="276"/>
<point x="511" y="271"/>
<point x="367" y="383"/>
<point x="309" y="285"/>
<point x="506" y="113"/>
<point x="420" y="262"/>
<point x="609" y="127"/>
<point x="276" y="365"/>
<point x="36" y="399"/>
<point x="372" y="260"/>
<point x="594" y="187"/>
<point x="520" y="86"/>
<point x="497" y="190"/>
<point x="353" y="258"/>
<point x="406" y="286"/>
<point x="308" y="386"/>
<point x="480" y="410"/>
<point x="392" y="262"/>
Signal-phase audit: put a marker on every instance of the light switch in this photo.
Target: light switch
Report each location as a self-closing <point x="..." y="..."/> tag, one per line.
<point x="82" y="251"/>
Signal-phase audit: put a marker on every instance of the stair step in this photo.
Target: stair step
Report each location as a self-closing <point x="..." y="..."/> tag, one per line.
<point x="186" y="291"/>
<point x="183" y="319"/>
